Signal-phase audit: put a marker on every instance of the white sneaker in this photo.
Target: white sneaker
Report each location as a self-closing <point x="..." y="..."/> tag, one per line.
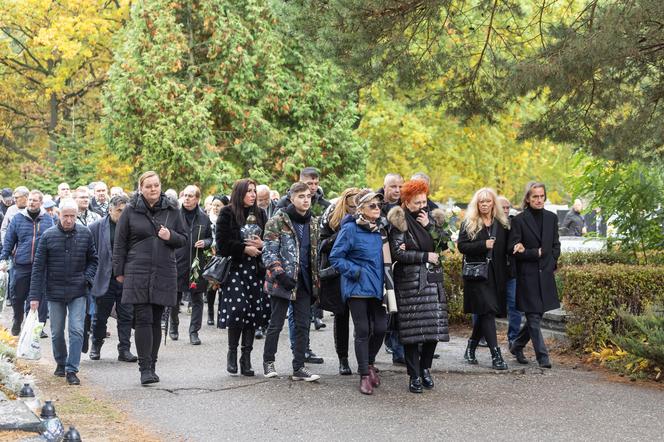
<point x="304" y="375"/>
<point x="269" y="371"/>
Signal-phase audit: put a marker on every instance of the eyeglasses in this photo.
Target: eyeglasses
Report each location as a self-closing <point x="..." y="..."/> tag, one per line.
<point x="374" y="206"/>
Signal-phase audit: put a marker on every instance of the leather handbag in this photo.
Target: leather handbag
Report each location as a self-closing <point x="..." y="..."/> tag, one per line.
<point x="216" y="271"/>
<point x="475" y="271"/>
<point x="478" y="271"/>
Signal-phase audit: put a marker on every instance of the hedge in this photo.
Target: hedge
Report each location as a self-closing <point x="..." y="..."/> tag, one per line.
<point x="592" y="286"/>
<point x="594" y="294"/>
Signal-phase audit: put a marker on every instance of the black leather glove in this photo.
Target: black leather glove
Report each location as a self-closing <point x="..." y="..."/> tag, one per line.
<point x="286" y="281"/>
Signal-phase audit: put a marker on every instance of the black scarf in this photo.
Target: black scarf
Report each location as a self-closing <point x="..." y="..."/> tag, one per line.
<point x="420" y="233"/>
<point x="296" y="217"/>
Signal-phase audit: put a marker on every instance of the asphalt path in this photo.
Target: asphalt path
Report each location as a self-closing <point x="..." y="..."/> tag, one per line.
<point x="198" y="400"/>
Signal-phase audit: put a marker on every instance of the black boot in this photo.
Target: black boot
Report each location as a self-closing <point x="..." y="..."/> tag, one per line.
<point x="469" y="355"/>
<point x="95" y="350"/>
<point x="497" y="361"/>
<point x="231" y="357"/>
<point x="153" y="366"/>
<point x="210" y="320"/>
<point x="147" y="372"/>
<point x="344" y="368"/>
<point x="247" y="347"/>
<point x="518" y="354"/>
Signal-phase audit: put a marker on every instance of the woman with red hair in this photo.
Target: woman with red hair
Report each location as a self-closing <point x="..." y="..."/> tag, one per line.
<point x="418" y="280"/>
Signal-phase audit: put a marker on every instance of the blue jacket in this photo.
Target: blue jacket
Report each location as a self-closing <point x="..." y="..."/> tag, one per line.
<point x="101" y="234"/>
<point x="358" y="255"/>
<point x="24" y="233"/>
<point x="65" y="265"/>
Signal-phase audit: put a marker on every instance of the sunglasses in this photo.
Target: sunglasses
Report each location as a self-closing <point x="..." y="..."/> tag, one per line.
<point x="373" y="206"/>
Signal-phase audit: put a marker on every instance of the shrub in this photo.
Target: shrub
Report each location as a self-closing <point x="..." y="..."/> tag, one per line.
<point x="454" y="288"/>
<point x="594" y="294"/>
<point x="608" y="257"/>
<point x="644" y="337"/>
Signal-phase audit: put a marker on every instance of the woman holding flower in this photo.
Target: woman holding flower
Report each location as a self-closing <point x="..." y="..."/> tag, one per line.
<point x="416" y="239"/>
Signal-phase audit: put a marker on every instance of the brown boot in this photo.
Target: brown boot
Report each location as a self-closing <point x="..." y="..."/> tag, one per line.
<point x="373" y="376"/>
<point x="366" y="387"/>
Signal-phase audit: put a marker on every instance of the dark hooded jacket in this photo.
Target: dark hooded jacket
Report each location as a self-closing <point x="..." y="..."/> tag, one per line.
<point x="146" y="261"/>
<point x="422" y="305"/>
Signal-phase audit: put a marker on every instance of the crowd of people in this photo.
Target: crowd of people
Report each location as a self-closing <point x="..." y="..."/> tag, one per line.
<point x="373" y="257"/>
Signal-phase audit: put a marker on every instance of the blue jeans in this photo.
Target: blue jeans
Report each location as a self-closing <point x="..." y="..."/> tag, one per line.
<point x="392" y="342"/>
<point x="59" y="311"/>
<point x="513" y="315"/>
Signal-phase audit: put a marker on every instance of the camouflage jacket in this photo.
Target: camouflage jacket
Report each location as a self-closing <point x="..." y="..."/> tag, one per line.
<point x="281" y="253"/>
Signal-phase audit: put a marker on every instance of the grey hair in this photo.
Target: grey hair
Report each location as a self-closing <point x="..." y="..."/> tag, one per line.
<point x="262" y="188"/>
<point x="392" y="176"/>
<point x="100" y="183"/>
<point x="68" y="203"/>
<point x="421" y="176"/>
<point x="21" y="191"/>
<point x="37" y="192"/>
<point x="118" y="200"/>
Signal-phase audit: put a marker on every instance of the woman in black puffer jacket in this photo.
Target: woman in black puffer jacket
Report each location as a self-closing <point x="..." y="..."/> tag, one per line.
<point x="418" y="281"/>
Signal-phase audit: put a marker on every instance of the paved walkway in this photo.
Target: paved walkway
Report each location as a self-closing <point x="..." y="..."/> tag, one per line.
<point x="197" y="400"/>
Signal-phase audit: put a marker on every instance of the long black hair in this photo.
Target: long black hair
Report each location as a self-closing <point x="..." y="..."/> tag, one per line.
<point x="240" y="189"/>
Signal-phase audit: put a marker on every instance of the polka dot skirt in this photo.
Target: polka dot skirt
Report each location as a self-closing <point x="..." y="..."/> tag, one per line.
<point x="242" y="303"/>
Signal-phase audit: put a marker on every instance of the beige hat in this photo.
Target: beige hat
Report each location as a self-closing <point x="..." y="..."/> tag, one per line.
<point x="365" y="196"/>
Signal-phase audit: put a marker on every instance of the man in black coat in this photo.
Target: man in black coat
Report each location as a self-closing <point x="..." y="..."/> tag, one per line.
<point x="62" y="273"/>
<point x="535" y="245"/>
<point x="199" y="237"/>
<point x="106" y="291"/>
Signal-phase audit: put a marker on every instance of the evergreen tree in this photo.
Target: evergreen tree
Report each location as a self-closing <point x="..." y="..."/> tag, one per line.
<point x="208" y="91"/>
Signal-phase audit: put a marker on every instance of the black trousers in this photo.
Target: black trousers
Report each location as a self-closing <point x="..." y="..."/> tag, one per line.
<point x="148" y="333"/>
<point x="485" y="326"/>
<point x="21" y="291"/>
<point x="532" y="331"/>
<point x="419" y="357"/>
<point x="211" y="296"/>
<point x="341" y="332"/>
<point x="196" y="313"/>
<point x="125" y="314"/>
<point x="301" y="313"/>
<point x="370" y="322"/>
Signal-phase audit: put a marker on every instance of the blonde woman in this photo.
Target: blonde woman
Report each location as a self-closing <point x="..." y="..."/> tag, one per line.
<point x="483" y="238"/>
<point x="330" y="285"/>
<point x="147" y="234"/>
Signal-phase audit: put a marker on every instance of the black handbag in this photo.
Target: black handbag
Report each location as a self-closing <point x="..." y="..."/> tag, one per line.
<point x="478" y="271"/>
<point x="216" y="271"/>
<point x="434" y="273"/>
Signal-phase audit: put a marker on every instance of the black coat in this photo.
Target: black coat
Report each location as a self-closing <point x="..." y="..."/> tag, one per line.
<point x="228" y="236"/>
<point x="422" y="306"/>
<point x="200" y="228"/>
<point x="146" y="261"/>
<point x="486" y="296"/>
<point x="536" y="290"/>
<point x="330" y="288"/>
<point x="64" y="266"/>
